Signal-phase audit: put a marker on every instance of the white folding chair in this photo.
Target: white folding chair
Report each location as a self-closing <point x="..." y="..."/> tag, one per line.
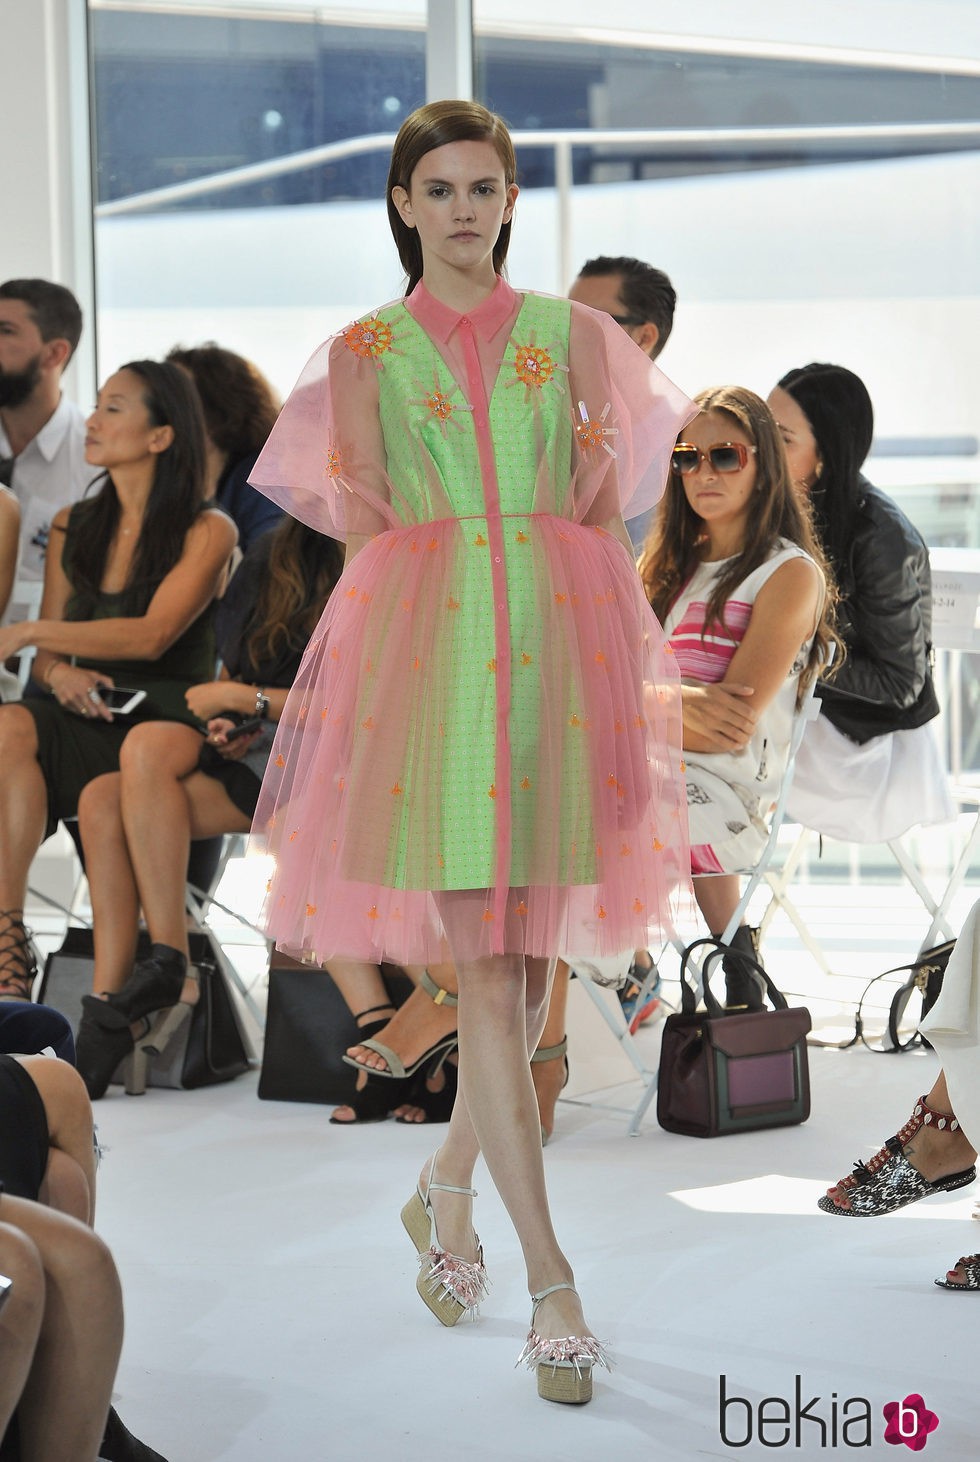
<point x="807" y="711"/>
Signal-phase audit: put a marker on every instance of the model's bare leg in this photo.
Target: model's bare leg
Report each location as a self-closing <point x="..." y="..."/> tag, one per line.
<point x="502" y="1008"/>
<point x="548" y="1074"/>
<point x="65" y="1401"/>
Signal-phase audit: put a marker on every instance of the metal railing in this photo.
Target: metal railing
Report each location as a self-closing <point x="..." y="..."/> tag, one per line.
<point x="917" y="136"/>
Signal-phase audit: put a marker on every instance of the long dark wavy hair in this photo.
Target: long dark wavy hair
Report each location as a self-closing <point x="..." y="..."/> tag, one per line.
<point x="675" y="546"/>
<point x="240" y="407"/>
<point x="175" y="499"/>
<point x="431" y="126"/>
<point x="838" y="407"/>
<point x="302" y="570"/>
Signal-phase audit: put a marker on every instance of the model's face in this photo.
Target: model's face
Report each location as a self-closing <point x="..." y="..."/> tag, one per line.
<point x="721" y="499"/>
<point x="602" y="292"/>
<point x="21" y="352"/>
<point x="459" y="200"/>
<point x="119" y="432"/>
<point x="802" y="452"/>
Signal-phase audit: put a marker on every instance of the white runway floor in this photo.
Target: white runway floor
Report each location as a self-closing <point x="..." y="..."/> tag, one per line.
<point x="272" y="1314"/>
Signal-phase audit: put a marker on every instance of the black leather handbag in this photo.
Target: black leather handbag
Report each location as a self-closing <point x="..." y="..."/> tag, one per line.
<point x="740" y="1072"/>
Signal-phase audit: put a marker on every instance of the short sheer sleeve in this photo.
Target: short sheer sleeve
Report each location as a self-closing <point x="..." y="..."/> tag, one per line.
<point x="324" y="461"/>
<point x="627" y="416"/>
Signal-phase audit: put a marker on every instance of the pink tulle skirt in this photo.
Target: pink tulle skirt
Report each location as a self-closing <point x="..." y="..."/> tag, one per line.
<point x="455" y="777"/>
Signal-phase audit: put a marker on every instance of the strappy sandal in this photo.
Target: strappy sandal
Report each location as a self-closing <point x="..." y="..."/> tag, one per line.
<point x="376" y="1099"/>
<point x="563" y="1366"/>
<point x="542" y="1056"/>
<point x="18" y="962"/>
<point x="396" y="1068"/>
<point x="437" y="1105"/>
<point x="888" y="1181"/>
<point x="451" y="1287"/>
<point x="970" y="1265"/>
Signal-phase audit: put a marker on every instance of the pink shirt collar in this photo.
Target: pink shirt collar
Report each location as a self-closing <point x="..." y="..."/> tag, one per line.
<point x="440" y="321"/>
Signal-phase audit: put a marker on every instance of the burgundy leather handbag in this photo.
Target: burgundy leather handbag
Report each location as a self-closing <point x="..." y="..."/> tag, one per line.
<point x="738" y="1072"/>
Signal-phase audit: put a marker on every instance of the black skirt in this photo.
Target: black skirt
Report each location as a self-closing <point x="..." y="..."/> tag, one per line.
<point x="24" y="1137"/>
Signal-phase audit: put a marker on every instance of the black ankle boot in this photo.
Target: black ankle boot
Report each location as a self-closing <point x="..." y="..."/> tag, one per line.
<point x="119" y="1444"/>
<point x="155" y="984"/>
<point x="98" y="1052"/>
<point x="743" y="988"/>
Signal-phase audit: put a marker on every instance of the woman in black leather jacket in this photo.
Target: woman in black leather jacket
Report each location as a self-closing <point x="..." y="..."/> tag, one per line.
<point x="884" y="684"/>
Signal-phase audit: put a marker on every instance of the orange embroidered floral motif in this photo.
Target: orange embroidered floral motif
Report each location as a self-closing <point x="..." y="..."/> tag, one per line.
<point x="372" y="912"/>
<point x="416" y="663"/>
<point x="561" y="598"/>
<point x="368" y="724"/>
<point x="452" y="603"/>
<point x="368" y="666"/>
<point x="441" y="860"/>
<point x="601" y="912"/>
<point x="479" y="541"/>
<point x="310" y="910"/>
<point x="592" y="434"/>
<point x="522" y="537"/>
<point x="625" y="851"/>
<point x="334" y="464"/>
<point x="369" y="339"/>
<point x="294" y="835"/>
<point x="334" y="653"/>
<point x="493" y="791"/>
<point x="324" y="713"/>
<point x="352" y="592"/>
<point x="492" y="666"/>
<point x="280" y="760"/>
<point x="668" y="648"/>
<point x="432" y="544"/>
<point x="440" y="406"/>
<point x="637" y="720"/>
<point x="638" y="907"/>
<point x="600" y="658"/>
<point x="522" y="908"/>
<point x="413" y="547"/>
<point x="658" y="846"/>
<point x="526" y="659"/>
<point x="341" y="783"/>
<point x="487" y="917"/>
<point x="407" y="605"/>
<point x="611" y="780"/>
<point x="525" y="784"/>
<point x="534" y="367"/>
<point x="574" y="721"/>
<point x="396" y="790"/>
<point x="303" y="712"/>
<point x="268" y="885"/>
<point x="683" y="765"/>
<point x="618" y="726"/>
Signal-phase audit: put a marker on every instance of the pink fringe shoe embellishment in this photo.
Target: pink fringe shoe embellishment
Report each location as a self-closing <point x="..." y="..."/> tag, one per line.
<point x="461" y="1280"/>
<point x="564" y="1365"/>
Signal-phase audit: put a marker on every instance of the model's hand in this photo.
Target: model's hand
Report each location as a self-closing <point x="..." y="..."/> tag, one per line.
<point x="717" y="717"/>
<point x="78" y="690"/>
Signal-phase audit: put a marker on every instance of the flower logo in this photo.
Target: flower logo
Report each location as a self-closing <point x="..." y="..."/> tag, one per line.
<point x="909" y="1421"/>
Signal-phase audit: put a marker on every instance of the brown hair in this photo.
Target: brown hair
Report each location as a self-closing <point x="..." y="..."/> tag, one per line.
<point x="431" y="126"/>
<point x="673" y="549"/>
<point x="302" y="569"/>
<point x="240" y="407"/>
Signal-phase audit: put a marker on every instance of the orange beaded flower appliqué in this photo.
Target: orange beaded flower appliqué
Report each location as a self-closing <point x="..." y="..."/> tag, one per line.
<point x="534" y="367"/>
<point x="592" y="433"/>
<point x="369" y="339"/>
<point x="440" y="406"/>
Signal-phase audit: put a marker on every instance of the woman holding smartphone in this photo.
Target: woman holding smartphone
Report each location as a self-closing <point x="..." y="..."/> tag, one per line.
<point x="129" y="582"/>
<point x="137" y="823"/>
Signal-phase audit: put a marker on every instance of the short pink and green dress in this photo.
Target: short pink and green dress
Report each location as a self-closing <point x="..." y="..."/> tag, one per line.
<point x="481" y="753"/>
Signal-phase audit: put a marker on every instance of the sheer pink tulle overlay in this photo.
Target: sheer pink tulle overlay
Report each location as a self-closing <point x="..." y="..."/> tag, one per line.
<point x="481" y="752"/>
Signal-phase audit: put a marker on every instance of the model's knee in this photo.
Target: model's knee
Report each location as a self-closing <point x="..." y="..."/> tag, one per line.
<point x="21" y="1263"/>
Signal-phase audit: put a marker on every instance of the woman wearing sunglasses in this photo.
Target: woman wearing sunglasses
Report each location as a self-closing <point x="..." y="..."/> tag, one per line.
<point x="734" y="573"/>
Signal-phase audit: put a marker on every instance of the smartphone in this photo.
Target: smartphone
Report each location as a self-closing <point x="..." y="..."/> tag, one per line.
<point x="244" y="728"/>
<point x="119" y="700"/>
<point x="6" y="1285"/>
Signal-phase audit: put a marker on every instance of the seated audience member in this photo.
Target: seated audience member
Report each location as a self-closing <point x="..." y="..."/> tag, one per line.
<point x="137" y="823"/>
<point x="42" y="433"/>
<point x="868" y="768"/>
<point x="9" y="551"/>
<point x="240" y="410"/>
<point x="638" y="297"/>
<point x="412" y="1072"/>
<point x="62" y="1325"/>
<point x="127" y="600"/>
<point x="735" y="576"/>
<point x="936" y="1149"/>
<point x="29" y="1030"/>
